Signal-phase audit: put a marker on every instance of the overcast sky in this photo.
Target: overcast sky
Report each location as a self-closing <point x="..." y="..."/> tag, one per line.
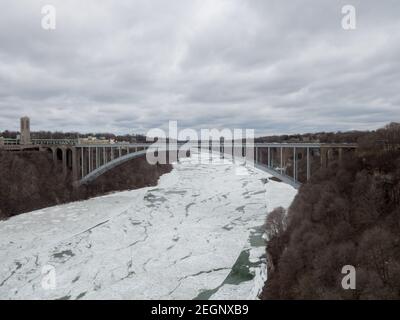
<point x="276" y="66"/>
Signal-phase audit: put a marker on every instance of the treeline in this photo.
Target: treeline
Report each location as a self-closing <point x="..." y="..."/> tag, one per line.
<point x="322" y="137"/>
<point x="31" y="180"/>
<point x="75" y="135"/>
<point x="348" y="214"/>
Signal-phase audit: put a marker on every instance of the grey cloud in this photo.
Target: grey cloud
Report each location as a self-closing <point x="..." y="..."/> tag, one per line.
<point x="275" y="66"/>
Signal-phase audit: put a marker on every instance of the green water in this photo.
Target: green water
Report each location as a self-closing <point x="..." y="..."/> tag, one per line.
<point x="241" y="269"/>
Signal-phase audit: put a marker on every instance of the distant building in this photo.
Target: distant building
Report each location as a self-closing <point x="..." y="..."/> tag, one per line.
<point x="94" y="140"/>
<point x="25" y="131"/>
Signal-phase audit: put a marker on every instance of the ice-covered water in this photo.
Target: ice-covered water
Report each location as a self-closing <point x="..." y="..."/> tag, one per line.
<point x="195" y="235"/>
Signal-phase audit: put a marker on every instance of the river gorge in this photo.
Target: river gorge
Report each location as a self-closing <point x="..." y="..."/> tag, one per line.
<point x="198" y="234"/>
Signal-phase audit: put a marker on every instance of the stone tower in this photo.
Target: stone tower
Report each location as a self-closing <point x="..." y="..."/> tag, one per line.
<point x="25" y="131"/>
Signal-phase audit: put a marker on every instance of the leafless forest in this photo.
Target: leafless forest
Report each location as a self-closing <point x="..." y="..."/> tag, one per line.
<point x="31" y="180"/>
<point x="349" y="214"/>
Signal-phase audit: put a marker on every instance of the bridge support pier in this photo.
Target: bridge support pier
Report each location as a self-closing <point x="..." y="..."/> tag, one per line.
<point x="54" y="151"/>
<point x="97" y="157"/>
<point x="294" y="164"/>
<point x="324" y="155"/>
<point x="75" y="165"/>
<point x="64" y="160"/>
<point x="308" y="164"/>
<point x="340" y="155"/>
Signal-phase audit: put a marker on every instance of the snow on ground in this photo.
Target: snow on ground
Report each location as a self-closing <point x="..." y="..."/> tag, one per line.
<point x="197" y="234"/>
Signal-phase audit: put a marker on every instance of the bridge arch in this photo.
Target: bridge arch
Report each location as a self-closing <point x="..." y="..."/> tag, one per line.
<point x="91" y="156"/>
<point x="110" y="165"/>
<point x="49" y="151"/>
<point x="88" y="161"/>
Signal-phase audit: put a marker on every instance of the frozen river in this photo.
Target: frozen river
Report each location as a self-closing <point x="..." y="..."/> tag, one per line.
<point x="197" y="234"/>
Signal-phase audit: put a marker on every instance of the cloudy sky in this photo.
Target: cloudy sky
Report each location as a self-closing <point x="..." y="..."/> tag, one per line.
<point x="276" y="66"/>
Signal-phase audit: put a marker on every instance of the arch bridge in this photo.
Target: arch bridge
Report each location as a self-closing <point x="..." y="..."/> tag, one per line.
<point x="293" y="163"/>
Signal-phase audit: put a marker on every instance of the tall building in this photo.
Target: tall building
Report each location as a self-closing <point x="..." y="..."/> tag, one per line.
<point x="25" y="131"/>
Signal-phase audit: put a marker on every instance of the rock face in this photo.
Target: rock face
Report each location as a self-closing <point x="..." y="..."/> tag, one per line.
<point x="31" y="180"/>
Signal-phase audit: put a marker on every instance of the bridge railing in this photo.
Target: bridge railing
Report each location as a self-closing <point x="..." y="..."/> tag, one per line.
<point x="9" y="141"/>
<point x="248" y="145"/>
<point x="54" y="141"/>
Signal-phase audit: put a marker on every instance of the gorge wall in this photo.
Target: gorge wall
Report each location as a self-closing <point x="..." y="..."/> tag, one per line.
<point x="31" y="180"/>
